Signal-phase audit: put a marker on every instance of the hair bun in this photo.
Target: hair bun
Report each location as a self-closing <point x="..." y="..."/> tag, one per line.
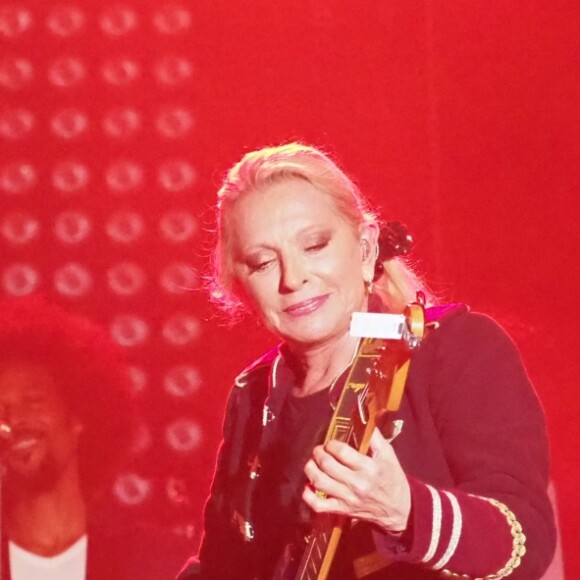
<point x="394" y="240"/>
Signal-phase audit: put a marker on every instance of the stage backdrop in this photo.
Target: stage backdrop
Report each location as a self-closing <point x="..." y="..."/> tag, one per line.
<point x="117" y="121"/>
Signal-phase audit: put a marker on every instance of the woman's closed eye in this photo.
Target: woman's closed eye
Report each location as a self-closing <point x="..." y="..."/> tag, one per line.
<point x="316" y="247"/>
<point x="259" y="266"/>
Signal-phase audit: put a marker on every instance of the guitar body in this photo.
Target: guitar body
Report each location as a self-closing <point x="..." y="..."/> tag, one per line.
<point x="374" y="386"/>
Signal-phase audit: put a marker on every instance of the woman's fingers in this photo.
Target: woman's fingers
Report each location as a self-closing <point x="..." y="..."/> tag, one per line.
<point x="329" y="477"/>
<point x="347" y="465"/>
<point x="345" y="455"/>
<point x="374" y="488"/>
<point x="319" y="504"/>
<point x="379" y="446"/>
<point x="341" y="473"/>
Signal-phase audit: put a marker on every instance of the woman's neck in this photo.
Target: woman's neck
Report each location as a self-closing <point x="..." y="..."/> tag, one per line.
<point x="317" y="367"/>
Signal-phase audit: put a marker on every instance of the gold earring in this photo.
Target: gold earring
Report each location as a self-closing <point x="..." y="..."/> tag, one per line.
<point x="368" y="286"/>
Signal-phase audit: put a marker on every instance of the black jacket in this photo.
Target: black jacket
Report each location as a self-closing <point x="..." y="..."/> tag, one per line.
<point x="473" y="432"/>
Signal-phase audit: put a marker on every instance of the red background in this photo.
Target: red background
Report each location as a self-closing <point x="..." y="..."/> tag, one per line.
<point x="459" y="118"/>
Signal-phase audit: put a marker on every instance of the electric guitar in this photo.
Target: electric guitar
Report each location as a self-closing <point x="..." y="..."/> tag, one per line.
<point x="374" y="386"/>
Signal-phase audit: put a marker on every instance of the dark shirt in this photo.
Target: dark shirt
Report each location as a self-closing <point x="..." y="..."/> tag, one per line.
<point x="280" y="513"/>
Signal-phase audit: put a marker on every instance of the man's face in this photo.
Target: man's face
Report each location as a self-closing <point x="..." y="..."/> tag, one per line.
<point x="45" y="435"/>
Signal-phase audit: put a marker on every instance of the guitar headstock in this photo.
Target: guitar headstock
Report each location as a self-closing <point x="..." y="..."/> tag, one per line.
<point x="390" y="361"/>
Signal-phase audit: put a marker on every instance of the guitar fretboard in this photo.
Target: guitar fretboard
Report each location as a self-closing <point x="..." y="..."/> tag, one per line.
<point x="328" y="527"/>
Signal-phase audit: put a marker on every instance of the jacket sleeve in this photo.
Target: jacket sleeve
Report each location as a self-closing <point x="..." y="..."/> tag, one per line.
<point x="496" y="520"/>
<point x="220" y="553"/>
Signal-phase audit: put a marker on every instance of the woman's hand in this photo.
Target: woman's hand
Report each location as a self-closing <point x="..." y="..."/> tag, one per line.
<point x="372" y="488"/>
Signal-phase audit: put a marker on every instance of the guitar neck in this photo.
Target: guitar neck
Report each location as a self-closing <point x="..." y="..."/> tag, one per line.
<point x="366" y="393"/>
<point x="375" y="385"/>
<point x="327" y="529"/>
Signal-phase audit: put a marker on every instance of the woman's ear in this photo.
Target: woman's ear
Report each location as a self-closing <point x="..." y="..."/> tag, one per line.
<point x="369" y="240"/>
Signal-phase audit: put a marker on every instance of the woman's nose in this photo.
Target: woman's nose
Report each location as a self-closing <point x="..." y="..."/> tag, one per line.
<point x="292" y="275"/>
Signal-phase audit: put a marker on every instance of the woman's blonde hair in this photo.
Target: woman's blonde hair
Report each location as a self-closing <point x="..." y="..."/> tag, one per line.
<point x="398" y="284"/>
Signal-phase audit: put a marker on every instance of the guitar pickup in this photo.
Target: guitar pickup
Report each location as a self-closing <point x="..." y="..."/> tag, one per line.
<point x="378" y="325"/>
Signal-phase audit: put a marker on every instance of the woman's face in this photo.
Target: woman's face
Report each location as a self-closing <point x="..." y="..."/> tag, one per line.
<point x="298" y="263"/>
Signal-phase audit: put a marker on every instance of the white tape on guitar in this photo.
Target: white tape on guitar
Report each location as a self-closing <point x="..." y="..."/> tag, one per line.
<point x="377" y="325"/>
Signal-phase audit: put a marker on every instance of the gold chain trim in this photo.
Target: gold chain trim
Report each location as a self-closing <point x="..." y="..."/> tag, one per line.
<point x="518" y="545"/>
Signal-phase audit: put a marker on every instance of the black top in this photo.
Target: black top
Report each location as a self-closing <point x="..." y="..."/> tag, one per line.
<point x="279" y="509"/>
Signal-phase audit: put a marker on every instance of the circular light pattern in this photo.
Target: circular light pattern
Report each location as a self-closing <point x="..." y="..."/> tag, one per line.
<point x="123" y="176"/>
<point x="172" y="20"/>
<point x="121" y="71"/>
<point x="16" y="73"/>
<point x="174" y="122"/>
<point x="72" y="227"/>
<point x="183" y="435"/>
<point x="182" y="381"/>
<point x="19" y="228"/>
<point x="66" y="72"/>
<point x="16" y="123"/>
<point x="131" y="489"/>
<point x="20" y="279"/>
<point x="118" y="20"/>
<point x="125" y="227"/>
<point x="65" y="21"/>
<point x="125" y="278"/>
<point x="122" y="123"/>
<point x="176" y="176"/>
<point x="73" y="280"/>
<point x="181" y="329"/>
<point x="177" y="226"/>
<point x="172" y="70"/>
<point x="18" y="177"/>
<point x="69" y="123"/>
<point x="70" y="176"/>
<point x="129" y="331"/>
<point x="178" y="278"/>
<point x="137" y="378"/>
<point x="15" y="20"/>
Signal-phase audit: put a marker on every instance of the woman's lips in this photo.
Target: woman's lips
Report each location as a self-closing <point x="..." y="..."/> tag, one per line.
<point x="306" y="307"/>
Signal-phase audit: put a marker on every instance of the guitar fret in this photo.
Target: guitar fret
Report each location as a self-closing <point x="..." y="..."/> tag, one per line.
<point x="319" y="551"/>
